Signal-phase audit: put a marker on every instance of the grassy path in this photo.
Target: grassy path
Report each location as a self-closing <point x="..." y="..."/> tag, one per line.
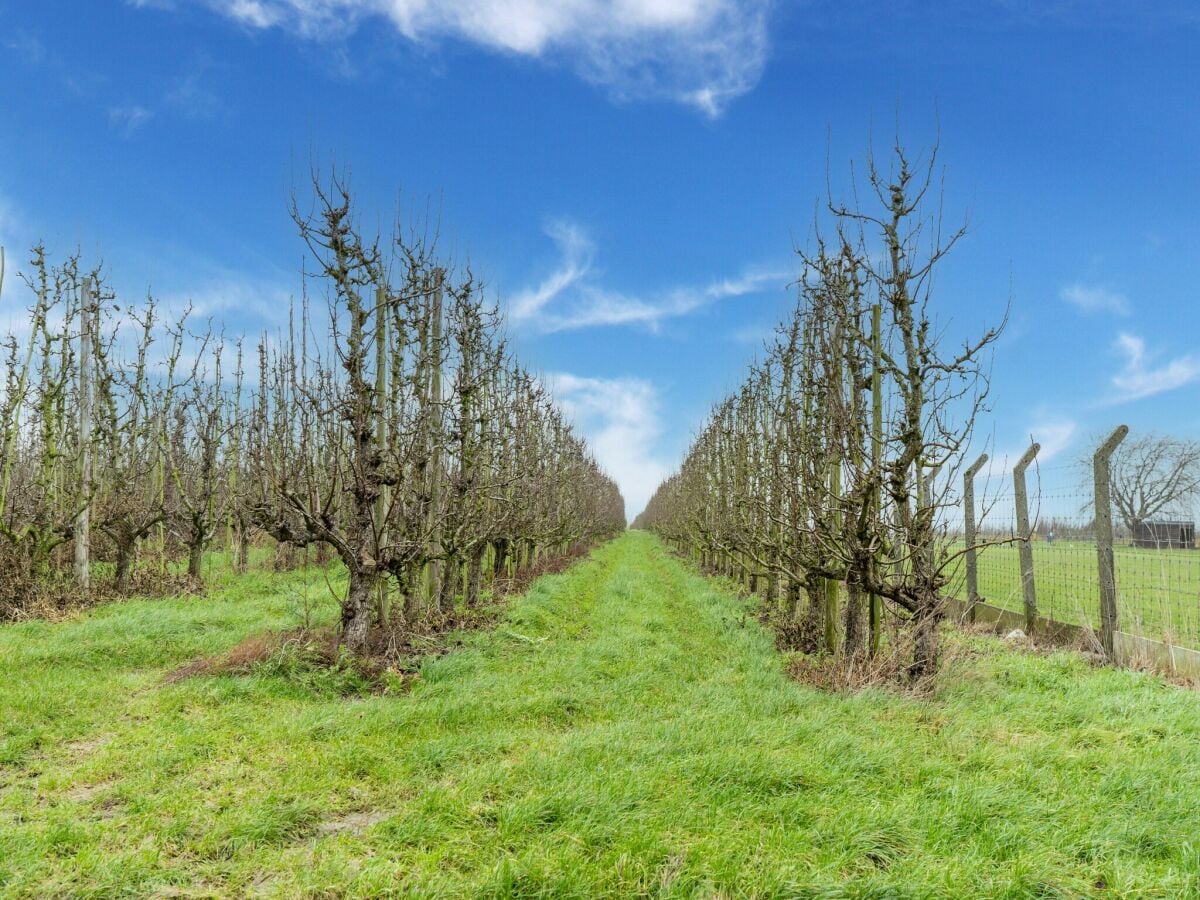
<point x="626" y="730"/>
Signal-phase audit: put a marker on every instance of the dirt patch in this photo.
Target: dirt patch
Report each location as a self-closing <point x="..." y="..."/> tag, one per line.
<point x="86" y="793"/>
<point x="354" y="823"/>
<point x="86" y="746"/>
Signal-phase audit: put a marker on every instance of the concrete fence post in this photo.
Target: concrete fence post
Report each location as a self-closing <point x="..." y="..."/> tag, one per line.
<point x="1101" y="473"/>
<point x="1024" y="534"/>
<point x="969" y="534"/>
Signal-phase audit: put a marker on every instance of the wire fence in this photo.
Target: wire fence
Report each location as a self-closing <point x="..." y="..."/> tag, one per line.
<point x="1055" y="568"/>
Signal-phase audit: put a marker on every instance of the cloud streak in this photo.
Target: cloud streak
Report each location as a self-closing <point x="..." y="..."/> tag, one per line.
<point x="702" y="53"/>
<point x="1095" y="299"/>
<point x="569" y="298"/>
<point x="129" y="118"/>
<point x="1139" y="379"/>
<point x="619" y="418"/>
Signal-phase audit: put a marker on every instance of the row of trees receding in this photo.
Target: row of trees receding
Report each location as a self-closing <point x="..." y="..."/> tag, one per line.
<point x="814" y="482"/>
<point x="388" y="425"/>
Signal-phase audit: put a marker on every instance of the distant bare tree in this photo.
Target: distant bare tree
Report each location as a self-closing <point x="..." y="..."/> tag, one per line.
<point x="1152" y="474"/>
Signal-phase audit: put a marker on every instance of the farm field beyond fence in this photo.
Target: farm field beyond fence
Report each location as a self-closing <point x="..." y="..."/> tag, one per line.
<point x="1158" y="591"/>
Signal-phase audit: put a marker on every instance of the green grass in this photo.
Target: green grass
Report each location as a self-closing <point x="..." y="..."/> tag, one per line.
<point x="626" y="729"/>
<point x="1158" y="591"/>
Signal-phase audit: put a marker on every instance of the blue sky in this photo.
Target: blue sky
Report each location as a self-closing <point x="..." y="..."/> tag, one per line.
<point x="631" y="178"/>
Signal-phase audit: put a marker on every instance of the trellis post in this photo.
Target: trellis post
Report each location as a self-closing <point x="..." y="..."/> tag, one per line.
<point x="1024" y="534"/>
<point x="969" y="534"/>
<point x="1101" y="473"/>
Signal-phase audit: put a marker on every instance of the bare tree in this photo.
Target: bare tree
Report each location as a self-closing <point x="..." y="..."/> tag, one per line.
<point x="1153" y="474"/>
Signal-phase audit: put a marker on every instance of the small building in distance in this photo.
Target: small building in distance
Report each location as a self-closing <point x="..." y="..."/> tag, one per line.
<point x="1178" y="535"/>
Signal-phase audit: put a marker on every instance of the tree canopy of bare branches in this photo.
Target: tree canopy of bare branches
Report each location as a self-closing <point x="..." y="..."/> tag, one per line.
<point x="820" y="472"/>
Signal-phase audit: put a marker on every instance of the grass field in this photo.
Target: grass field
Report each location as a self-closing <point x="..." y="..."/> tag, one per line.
<point x="626" y="729"/>
<point x="1158" y="591"/>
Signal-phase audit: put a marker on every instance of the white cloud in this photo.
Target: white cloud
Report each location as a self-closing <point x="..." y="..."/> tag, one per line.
<point x="129" y="118"/>
<point x="190" y="96"/>
<point x="252" y="303"/>
<point x="619" y="419"/>
<point x="1054" y="434"/>
<point x="578" y="251"/>
<point x="1095" y="299"/>
<point x="569" y="297"/>
<point x="1136" y="380"/>
<point x="702" y="53"/>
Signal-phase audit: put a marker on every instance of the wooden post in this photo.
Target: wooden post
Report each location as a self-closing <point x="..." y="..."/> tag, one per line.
<point x="83" y="518"/>
<point x="969" y="534"/>
<point x="1024" y="534"/>
<point x="1101" y="472"/>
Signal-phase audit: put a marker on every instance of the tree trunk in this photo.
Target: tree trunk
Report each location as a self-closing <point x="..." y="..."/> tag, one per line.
<point x="500" y="562"/>
<point x="925" y="639"/>
<point x="475" y="576"/>
<point x="853" y="621"/>
<point x="772" y="588"/>
<point x="792" y="601"/>
<point x="412" y="593"/>
<point x="243" y="550"/>
<point x="356" y="611"/>
<point x="124" y="564"/>
<point x="195" y="559"/>
<point x="451" y="581"/>
<point x="814" y="616"/>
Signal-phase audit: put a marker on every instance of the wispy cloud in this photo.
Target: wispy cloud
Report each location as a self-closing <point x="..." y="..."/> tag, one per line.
<point x="248" y="303"/>
<point x="190" y="95"/>
<point x="1139" y="378"/>
<point x="25" y="44"/>
<point x="702" y="53"/>
<point x="1091" y="299"/>
<point x="127" y="119"/>
<point x="1055" y="434"/>
<point x="619" y="418"/>
<point x="570" y="298"/>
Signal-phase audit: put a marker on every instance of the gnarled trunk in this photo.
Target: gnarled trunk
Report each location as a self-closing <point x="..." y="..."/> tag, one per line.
<point x="925" y="638"/>
<point x="126" y="550"/>
<point x="356" y="611"/>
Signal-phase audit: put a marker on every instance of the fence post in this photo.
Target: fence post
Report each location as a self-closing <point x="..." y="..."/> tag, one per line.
<point x="1023" y="534"/>
<point x="1104" y="537"/>
<point x="969" y="534"/>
